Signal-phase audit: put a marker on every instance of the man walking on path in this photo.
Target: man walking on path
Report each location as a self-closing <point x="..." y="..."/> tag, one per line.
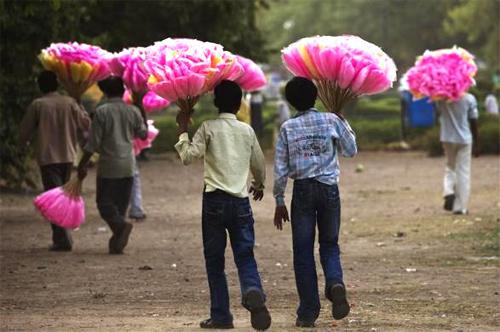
<point x="459" y="136"/>
<point x="306" y="151"/>
<point x="57" y="120"/>
<point x="230" y="150"/>
<point x="114" y="126"/>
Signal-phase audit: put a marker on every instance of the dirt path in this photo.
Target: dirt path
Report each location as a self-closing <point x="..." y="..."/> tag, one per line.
<point x="409" y="266"/>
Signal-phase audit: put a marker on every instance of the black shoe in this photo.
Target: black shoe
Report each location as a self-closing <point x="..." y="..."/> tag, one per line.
<point x="255" y="303"/>
<point x="448" y="202"/>
<point x="112" y="246"/>
<point x="340" y="306"/>
<point x="58" y="247"/>
<point x="210" y="324"/>
<point x="461" y="212"/>
<point x="121" y="239"/>
<point x="304" y="323"/>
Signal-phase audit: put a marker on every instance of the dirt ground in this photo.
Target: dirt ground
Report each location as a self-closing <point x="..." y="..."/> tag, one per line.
<point x="408" y="265"/>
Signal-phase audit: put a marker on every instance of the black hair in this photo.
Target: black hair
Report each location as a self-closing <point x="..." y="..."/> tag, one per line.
<point x="112" y="86"/>
<point x="47" y="81"/>
<point x="301" y="93"/>
<point x="227" y="96"/>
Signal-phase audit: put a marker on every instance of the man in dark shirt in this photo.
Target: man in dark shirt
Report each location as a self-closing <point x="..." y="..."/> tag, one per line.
<point x="56" y="120"/>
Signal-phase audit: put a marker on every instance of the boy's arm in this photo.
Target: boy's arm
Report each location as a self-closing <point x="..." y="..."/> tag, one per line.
<point x="281" y="160"/>
<point x="472" y="115"/>
<point x="281" y="170"/>
<point x="192" y="150"/>
<point x="92" y="145"/>
<point x="347" y="138"/>
<point x="258" y="169"/>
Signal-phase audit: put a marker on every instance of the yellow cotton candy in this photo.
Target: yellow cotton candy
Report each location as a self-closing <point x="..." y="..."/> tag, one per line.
<point x="75" y="72"/>
<point x="60" y="69"/>
<point x="85" y="70"/>
<point x="308" y="62"/>
<point x="152" y="79"/>
<point x="216" y="59"/>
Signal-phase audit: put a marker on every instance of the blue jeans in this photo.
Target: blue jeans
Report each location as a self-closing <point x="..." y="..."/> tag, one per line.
<point x="314" y="203"/>
<point x="223" y="212"/>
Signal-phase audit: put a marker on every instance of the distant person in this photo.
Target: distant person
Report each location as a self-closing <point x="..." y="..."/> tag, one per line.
<point x="244" y="111"/>
<point x="283" y="111"/>
<point x="256" y="104"/>
<point x="491" y="104"/>
<point x="307" y="151"/>
<point x="57" y="121"/>
<point x="113" y="129"/>
<point x="230" y="150"/>
<point x="459" y="136"/>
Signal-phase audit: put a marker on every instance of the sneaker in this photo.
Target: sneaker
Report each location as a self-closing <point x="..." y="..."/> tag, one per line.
<point x="337" y="295"/>
<point x="210" y="324"/>
<point x="461" y="212"/>
<point x="255" y="303"/>
<point x="448" y="202"/>
<point x="304" y="323"/>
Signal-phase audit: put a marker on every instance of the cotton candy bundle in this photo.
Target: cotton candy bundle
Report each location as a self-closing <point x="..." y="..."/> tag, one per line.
<point x="140" y="144"/>
<point x="181" y="70"/>
<point x="343" y="67"/>
<point x="442" y="74"/>
<point x="253" y="77"/>
<point x="151" y="102"/>
<point x="77" y="66"/>
<point x="63" y="206"/>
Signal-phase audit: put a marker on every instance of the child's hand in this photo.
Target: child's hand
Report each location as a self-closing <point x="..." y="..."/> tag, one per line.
<point x="280" y="216"/>
<point x="257" y="194"/>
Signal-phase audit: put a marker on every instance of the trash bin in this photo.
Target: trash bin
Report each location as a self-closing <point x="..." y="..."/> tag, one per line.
<point x="421" y="113"/>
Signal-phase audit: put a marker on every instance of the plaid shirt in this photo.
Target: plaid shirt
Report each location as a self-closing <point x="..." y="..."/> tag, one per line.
<point x="307" y="148"/>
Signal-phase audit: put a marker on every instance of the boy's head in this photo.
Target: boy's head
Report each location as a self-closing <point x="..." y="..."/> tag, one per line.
<point x="227" y="97"/>
<point x="47" y="81"/>
<point x="112" y="86"/>
<point x="301" y="93"/>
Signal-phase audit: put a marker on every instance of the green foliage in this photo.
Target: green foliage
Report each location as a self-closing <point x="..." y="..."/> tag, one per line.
<point x="404" y="29"/>
<point x="479" y="22"/>
<point x="26" y="27"/>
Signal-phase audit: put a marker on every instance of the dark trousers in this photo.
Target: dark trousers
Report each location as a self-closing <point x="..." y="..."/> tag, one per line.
<point x="56" y="175"/>
<point x="315" y="203"/>
<point x="112" y="198"/>
<point x="223" y="212"/>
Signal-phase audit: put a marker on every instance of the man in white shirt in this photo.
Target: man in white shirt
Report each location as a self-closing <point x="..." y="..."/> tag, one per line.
<point x="459" y="135"/>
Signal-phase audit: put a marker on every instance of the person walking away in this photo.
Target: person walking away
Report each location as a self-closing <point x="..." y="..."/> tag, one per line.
<point x="113" y="128"/>
<point x="256" y="103"/>
<point x="230" y="150"/>
<point x="459" y="136"/>
<point x="55" y="121"/>
<point x="306" y="151"/>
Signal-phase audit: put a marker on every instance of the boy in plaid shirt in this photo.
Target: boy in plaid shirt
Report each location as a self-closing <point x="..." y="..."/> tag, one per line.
<point x="306" y="151"/>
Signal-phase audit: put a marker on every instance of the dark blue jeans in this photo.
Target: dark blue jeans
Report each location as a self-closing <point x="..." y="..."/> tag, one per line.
<point x="223" y="212"/>
<point x="314" y="203"/>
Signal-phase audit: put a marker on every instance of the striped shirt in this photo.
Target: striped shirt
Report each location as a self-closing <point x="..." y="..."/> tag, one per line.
<point x="307" y="148"/>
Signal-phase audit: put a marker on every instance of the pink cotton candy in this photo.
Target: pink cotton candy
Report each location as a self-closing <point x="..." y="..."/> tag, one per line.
<point x="442" y="74"/>
<point x="152" y="102"/>
<point x="343" y="67"/>
<point x="140" y="144"/>
<point x="346" y="60"/>
<point x="77" y="66"/>
<point x="253" y="77"/>
<point x="60" y="208"/>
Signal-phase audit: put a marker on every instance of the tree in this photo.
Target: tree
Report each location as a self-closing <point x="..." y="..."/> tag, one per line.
<point x="479" y="22"/>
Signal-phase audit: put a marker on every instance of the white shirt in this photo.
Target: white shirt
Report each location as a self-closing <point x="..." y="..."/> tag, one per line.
<point x="454" y="119"/>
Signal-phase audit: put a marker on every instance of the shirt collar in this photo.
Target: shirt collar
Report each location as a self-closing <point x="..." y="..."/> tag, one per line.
<point x="300" y="113"/>
<point x="225" y="115"/>
<point x="114" y="100"/>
